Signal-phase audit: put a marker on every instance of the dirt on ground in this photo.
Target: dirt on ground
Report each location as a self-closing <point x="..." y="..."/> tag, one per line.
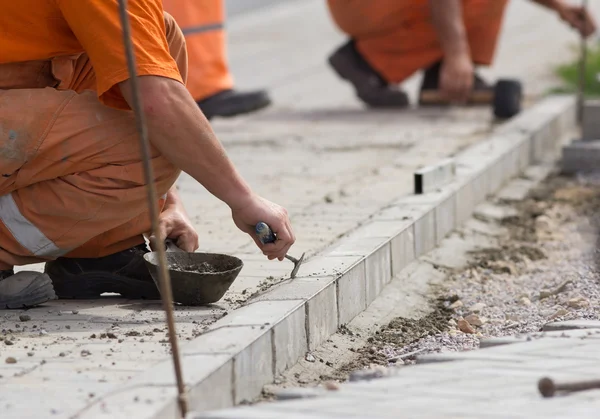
<point x="543" y="268"/>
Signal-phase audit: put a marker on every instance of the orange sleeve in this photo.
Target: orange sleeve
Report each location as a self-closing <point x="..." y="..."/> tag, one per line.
<point x="97" y="26"/>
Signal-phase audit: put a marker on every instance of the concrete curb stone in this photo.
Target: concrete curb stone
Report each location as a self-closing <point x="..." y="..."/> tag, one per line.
<point x="251" y="345"/>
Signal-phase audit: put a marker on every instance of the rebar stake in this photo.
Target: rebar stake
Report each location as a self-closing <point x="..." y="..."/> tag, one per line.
<point x="163" y="273"/>
<point x="582" y="69"/>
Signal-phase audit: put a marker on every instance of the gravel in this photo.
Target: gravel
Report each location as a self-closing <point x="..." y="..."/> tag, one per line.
<point x="550" y="248"/>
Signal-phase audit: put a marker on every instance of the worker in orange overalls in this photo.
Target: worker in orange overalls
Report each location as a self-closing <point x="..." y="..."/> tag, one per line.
<point x="209" y="80"/>
<point x="390" y="40"/>
<point x="72" y="190"/>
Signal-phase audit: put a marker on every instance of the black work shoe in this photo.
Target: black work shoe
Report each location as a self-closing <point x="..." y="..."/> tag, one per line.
<point x="431" y="81"/>
<point x="231" y="102"/>
<point x="24" y="289"/>
<point x="124" y="273"/>
<point x="369" y="85"/>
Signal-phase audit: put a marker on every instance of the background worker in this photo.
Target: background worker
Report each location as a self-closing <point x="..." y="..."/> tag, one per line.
<point x="209" y="80"/>
<point x="72" y="190"/>
<point x="390" y="40"/>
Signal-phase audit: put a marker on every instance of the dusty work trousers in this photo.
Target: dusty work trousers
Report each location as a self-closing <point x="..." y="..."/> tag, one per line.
<point x="202" y="23"/>
<point x="72" y="180"/>
<point x="398" y="38"/>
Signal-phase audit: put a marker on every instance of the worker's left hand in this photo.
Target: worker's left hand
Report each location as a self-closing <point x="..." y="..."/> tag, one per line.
<point x="174" y="224"/>
<point x="578" y="18"/>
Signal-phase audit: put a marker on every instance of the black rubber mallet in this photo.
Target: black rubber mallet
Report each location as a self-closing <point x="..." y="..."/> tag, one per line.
<point x="266" y="235"/>
<point x="506" y="98"/>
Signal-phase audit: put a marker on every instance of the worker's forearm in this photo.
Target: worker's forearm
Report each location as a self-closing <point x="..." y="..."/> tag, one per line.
<point x="550" y="4"/>
<point x="177" y="128"/>
<point x="447" y="18"/>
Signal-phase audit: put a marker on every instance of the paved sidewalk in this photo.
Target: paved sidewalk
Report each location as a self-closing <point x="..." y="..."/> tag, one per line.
<point x="499" y="382"/>
<point x="317" y="152"/>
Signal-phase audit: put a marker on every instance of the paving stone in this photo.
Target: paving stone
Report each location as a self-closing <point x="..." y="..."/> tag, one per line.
<point x="572" y="324"/>
<point x="386" y="229"/>
<point x="581" y="156"/>
<point x="260" y="313"/>
<point x="215" y="392"/>
<point x="351" y="293"/>
<point x="322" y="313"/>
<point x="425" y="234"/>
<point x="465" y="203"/>
<point x="378" y="271"/>
<point x="289" y="340"/>
<point x="327" y="266"/>
<point x="538" y="173"/>
<point x="402" y="250"/>
<point x="491" y="212"/>
<point x="517" y="190"/>
<point x="435" y="176"/>
<point x="253" y="368"/>
<point x="445" y="218"/>
<point x="357" y="246"/>
<point x="224" y="340"/>
<point x="452" y="253"/>
<point x="590" y="129"/>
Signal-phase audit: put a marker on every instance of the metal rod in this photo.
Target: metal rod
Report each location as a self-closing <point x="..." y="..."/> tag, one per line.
<point x="163" y="273"/>
<point x="582" y="69"/>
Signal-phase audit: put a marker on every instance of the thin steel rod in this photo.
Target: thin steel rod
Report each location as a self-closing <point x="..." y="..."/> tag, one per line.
<point x="163" y="272"/>
<point x="582" y="69"/>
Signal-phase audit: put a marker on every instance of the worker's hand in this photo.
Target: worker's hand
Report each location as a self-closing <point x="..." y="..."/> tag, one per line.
<point x="174" y="224"/>
<point x="578" y="18"/>
<point x="259" y="209"/>
<point x="456" y="78"/>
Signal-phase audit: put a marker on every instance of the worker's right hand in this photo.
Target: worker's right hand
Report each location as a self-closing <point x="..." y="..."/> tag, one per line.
<point x="456" y="78"/>
<point x="578" y="18"/>
<point x="258" y="209"/>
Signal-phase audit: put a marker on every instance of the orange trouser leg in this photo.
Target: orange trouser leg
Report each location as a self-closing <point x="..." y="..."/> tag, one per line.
<point x="202" y="24"/>
<point x="397" y="37"/>
<point x="72" y="178"/>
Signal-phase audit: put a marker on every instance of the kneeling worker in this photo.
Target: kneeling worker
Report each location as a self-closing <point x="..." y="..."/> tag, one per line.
<point x="390" y="40"/>
<point x="72" y="190"/>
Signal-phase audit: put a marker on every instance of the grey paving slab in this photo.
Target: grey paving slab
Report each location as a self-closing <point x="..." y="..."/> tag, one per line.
<point x="480" y="386"/>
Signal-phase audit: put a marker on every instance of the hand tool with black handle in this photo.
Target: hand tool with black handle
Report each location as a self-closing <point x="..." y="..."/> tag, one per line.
<point x="266" y="235"/>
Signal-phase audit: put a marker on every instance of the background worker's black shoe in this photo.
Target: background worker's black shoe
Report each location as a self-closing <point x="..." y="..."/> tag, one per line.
<point x="24" y="289"/>
<point x="124" y="273"/>
<point x="431" y="81"/>
<point x="231" y="103"/>
<point x="369" y="85"/>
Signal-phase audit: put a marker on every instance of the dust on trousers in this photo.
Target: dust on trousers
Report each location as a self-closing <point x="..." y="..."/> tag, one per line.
<point x="72" y="179"/>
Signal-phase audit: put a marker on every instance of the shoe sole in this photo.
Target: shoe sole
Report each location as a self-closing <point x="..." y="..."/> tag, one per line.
<point x="92" y="284"/>
<point x="345" y="69"/>
<point x="38" y="292"/>
<point x="240" y="109"/>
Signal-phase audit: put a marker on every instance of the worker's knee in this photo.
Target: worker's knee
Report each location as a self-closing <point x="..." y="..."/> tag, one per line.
<point x="176" y="42"/>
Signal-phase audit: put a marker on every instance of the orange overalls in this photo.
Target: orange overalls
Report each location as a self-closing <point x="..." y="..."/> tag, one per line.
<point x="202" y="23"/>
<point x="397" y="37"/>
<point x="71" y="179"/>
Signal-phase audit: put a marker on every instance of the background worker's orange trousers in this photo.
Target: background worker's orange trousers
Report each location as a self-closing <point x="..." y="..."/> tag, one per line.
<point x="397" y="37"/>
<point x="71" y="180"/>
<point x="202" y="23"/>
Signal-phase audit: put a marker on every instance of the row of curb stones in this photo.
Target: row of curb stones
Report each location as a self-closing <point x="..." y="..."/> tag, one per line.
<point x="248" y="348"/>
